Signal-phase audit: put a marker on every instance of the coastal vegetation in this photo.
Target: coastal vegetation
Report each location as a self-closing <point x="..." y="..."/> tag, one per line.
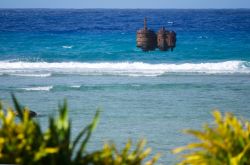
<point x="23" y="142"/>
<point x="226" y="142"/>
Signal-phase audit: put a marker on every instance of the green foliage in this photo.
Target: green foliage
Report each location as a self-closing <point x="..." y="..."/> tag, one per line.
<point x="226" y="142"/>
<point x="110" y="155"/>
<point x="23" y="142"/>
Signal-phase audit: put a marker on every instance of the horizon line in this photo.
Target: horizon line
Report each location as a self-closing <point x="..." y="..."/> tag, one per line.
<point x="126" y="8"/>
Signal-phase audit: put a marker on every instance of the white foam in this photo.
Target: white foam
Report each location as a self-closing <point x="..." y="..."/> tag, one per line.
<point x="31" y="75"/>
<point x="67" y="46"/>
<point x="41" y="88"/>
<point x="122" y="68"/>
<point x="203" y="37"/>
<point x="75" y="86"/>
<point x="135" y="85"/>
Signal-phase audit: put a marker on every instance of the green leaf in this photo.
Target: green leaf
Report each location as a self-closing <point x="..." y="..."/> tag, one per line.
<point x="90" y="129"/>
<point x="18" y="107"/>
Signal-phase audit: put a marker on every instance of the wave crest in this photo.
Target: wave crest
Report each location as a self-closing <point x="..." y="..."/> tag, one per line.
<point x="41" y="69"/>
<point x="40" y="88"/>
<point x="31" y="75"/>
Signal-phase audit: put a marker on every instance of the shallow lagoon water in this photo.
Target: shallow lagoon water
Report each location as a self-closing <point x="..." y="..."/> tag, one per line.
<point x="155" y="108"/>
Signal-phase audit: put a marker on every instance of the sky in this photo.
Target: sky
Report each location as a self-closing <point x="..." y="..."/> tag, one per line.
<point x="125" y="4"/>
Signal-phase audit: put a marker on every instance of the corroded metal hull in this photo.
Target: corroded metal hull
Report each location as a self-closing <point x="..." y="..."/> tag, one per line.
<point x="148" y="40"/>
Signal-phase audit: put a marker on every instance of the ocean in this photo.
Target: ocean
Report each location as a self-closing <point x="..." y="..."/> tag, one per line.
<point x="89" y="57"/>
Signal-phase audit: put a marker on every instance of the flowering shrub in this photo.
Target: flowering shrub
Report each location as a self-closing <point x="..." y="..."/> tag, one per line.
<point x="23" y="142"/>
<point x="225" y="142"/>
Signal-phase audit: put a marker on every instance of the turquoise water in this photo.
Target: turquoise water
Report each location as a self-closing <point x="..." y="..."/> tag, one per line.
<point x="156" y="108"/>
<point x="90" y="58"/>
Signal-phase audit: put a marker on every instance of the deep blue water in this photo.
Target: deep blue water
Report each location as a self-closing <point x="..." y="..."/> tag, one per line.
<point x="109" y="35"/>
<point x="90" y="58"/>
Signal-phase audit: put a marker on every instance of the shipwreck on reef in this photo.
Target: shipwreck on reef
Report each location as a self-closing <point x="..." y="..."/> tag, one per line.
<point x="148" y="40"/>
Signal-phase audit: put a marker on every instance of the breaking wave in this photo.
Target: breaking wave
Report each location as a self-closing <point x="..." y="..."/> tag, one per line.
<point x="40" y="88"/>
<point x="31" y="75"/>
<point x="41" y="69"/>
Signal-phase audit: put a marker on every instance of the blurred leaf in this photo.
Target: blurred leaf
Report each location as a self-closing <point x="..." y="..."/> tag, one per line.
<point x="225" y="142"/>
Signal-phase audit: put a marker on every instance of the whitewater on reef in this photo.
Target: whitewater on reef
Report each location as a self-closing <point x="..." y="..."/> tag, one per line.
<point x="37" y="69"/>
<point x="42" y="88"/>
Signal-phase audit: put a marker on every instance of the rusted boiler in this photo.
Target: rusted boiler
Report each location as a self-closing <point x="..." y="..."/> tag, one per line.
<point x="162" y="39"/>
<point x="146" y="38"/>
<point x="166" y="39"/>
<point x="171" y="40"/>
